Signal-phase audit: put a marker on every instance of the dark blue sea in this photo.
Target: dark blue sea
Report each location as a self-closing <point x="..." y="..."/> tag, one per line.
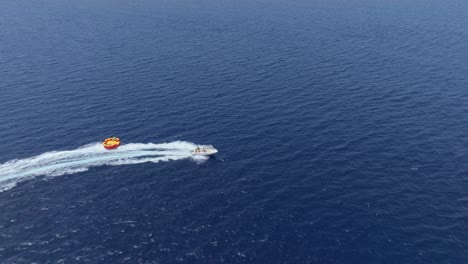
<point x="341" y="125"/>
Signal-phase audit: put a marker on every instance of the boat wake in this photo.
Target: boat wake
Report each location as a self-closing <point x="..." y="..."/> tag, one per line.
<point x="58" y="163"/>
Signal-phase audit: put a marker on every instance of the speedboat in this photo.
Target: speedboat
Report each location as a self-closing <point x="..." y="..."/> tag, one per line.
<point x="111" y="143"/>
<point x="204" y="150"/>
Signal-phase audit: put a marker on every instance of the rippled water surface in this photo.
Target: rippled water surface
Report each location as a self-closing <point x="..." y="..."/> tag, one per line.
<point x="341" y="128"/>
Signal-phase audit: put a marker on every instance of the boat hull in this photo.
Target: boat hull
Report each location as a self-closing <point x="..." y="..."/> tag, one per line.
<point x="112" y="147"/>
<point x="204" y="150"/>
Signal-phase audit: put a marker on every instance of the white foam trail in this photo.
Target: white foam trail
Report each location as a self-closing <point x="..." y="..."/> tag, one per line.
<point x="58" y="163"/>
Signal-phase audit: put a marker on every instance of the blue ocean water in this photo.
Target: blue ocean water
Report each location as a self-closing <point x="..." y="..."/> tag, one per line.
<point x="341" y="127"/>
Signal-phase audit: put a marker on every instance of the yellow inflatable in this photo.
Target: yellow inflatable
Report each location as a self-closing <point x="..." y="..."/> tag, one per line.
<point x="111" y="143"/>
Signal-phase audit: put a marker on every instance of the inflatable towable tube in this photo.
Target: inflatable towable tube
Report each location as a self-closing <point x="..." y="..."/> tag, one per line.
<point x="111" y="143"/>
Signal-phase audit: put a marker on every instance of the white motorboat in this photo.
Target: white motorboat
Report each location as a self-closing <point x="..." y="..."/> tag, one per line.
<point x="204" y="150"/>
